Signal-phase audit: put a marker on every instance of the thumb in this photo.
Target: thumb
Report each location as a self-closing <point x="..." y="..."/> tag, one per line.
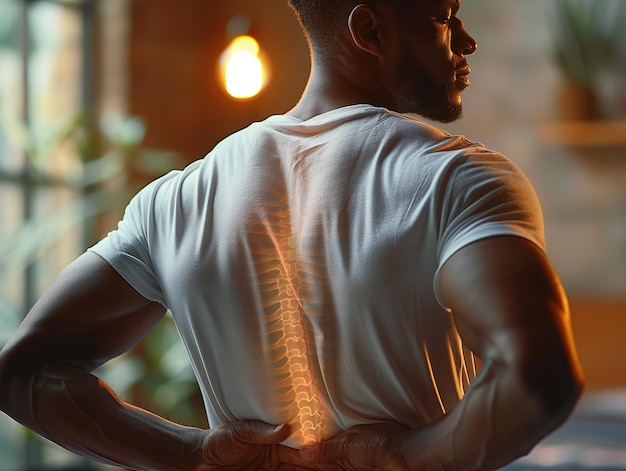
<point x="256" y="432"/>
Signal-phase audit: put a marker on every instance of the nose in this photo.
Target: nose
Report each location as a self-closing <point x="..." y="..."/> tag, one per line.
<point x="464" y="43"/>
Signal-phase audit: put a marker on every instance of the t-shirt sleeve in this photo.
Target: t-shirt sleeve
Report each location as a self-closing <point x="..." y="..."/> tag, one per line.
<point x="485" y="195"/>
<point x="126" y="248"/>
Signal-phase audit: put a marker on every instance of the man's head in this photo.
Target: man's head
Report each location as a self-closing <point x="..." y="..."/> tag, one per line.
<point x="409" y="53"/>
<point x="323" y="21"/>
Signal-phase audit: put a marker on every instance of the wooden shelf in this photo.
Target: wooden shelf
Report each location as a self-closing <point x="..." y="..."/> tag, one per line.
<point x="591" y="134"/>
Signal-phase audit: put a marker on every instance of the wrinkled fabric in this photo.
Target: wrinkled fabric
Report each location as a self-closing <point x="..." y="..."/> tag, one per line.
<point x="300" y="259"/>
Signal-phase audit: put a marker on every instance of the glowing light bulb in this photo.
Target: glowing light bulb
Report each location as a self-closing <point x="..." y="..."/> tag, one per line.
<point x="242" y="68"/>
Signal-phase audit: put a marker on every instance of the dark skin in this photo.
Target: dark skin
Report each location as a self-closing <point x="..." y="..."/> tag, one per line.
<point x="506" y="300"/>
<point x="398" y="59"/>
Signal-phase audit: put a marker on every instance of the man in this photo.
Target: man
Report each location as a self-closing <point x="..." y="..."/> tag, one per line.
<point x="332" y="272"/>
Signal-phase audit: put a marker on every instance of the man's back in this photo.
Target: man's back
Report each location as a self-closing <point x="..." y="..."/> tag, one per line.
<point x="299" y="260"/>
<point x="308" y="265"/>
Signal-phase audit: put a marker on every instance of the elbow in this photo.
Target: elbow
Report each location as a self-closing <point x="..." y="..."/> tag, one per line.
<point x="8" y="378"/>
<point x="556" y="391"/>
<point x="5" y="382"/>
<point x="16" y="379"/>
<point x="561" y="401"/>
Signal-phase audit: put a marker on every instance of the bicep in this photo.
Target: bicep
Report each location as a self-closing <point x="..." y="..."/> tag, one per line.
<point x="89" y="315"/>
<point x="508" y="304"/>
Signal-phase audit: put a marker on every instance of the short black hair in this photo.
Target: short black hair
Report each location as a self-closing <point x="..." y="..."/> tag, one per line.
<point x="323" y="21"/>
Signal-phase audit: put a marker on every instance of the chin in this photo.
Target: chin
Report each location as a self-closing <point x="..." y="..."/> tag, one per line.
<point x="450" y="107"/>
<point x="446" y="113"/>
<point x="454" y="113"/>
<point x="443" y="106"/>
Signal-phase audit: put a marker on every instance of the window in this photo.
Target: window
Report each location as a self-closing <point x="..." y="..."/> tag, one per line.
<point x="45" y="90"/>
<point x="70" y="159"/>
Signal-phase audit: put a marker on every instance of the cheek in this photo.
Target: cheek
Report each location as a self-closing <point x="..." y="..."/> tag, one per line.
<point x="442" y="50"/>
<point x="429" y="56"/>
<point x="436" y="52"/>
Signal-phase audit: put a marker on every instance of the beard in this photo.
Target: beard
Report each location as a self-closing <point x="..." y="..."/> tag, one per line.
<point x="423" y="96"/>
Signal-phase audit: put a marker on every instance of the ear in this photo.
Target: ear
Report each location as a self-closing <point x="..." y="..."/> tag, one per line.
<point x="364" y="25"/>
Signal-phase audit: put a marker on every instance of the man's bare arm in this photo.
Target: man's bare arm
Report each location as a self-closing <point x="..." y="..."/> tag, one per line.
<point x="88" y="316"/>
<point x="510" y="309"/>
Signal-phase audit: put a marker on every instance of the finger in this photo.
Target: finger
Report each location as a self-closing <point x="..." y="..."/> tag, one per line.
<point x="291" y="457"/>
<point x="256" y="432"/>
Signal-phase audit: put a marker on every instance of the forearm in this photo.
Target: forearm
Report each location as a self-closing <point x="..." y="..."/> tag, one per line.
<point x="499" y="420"/>
<point x="79" y="412"/>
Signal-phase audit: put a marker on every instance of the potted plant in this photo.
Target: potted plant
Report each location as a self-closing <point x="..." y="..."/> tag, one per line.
<point x="587" y="36"/>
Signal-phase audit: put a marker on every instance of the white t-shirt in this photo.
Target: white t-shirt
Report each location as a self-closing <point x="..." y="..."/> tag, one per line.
<point x="299" y="260"/>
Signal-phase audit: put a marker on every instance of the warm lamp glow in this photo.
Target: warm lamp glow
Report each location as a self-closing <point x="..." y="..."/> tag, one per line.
<point x="242" y="69"/>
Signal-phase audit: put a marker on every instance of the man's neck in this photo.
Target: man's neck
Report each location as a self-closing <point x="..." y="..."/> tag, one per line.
<point x="330" y="87"/>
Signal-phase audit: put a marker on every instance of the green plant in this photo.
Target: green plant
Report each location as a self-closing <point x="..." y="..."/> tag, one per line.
<point x="90" y="180"/>
<point x="587" y="37"/>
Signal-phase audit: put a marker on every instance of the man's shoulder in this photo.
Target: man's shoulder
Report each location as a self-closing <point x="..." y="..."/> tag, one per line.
<point x="417" y="132"/>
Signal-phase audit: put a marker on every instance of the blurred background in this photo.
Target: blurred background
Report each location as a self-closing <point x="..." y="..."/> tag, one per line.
<point x="97" y="98"/>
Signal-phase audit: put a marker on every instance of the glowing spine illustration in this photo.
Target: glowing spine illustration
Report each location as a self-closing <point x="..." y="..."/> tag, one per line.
<point x="282" y="298"/>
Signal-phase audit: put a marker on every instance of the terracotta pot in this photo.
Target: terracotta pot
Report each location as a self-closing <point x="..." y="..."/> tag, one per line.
<point x="578" y="102"/>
